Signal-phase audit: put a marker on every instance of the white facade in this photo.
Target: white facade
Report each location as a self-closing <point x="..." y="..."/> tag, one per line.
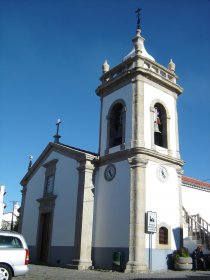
<point x="198" y="202"/>
<point x="158" y="195"/>
<point x="112" y="208"/>
<point x="61" y="203"/>
<point x="168" y="99"/>
<point x="8" y="220"/>
<point x="78" y="207"/>
<point x="65" y="187"/>
<point x="125" y="94"/>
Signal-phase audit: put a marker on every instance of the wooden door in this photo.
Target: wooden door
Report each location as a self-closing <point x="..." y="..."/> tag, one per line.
<point x="45" y="237"/>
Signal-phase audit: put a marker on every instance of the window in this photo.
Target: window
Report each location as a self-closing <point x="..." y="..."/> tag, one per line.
<point x="49" y="177"/>
<point x="160" y="126"/>
<point x="10" y="242"/>
<point x="49" y="184"/>
<point x="116" y="125"/>
<point x="163" y="235"/>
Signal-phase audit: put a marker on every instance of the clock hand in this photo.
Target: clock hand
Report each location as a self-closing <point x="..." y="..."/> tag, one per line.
<point x="163" y="173"/>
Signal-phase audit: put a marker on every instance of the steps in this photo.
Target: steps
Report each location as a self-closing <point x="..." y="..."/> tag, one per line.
<point x="196" y="231"/>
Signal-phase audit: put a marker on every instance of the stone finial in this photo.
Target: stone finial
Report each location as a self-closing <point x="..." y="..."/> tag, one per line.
<point x="138" y="41"/>
<point x="171" y="66"/>
<point x="30" y="162"/>
<point x="105" y="67"/>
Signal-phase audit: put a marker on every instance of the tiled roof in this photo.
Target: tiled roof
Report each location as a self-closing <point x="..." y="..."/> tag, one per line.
<point x="197" y="183"/>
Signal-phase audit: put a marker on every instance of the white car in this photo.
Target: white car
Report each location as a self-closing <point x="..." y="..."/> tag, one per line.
<point x="14" y="255"/>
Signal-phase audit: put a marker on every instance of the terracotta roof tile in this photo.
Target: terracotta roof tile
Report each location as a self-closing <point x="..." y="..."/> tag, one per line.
<point x="195" y="181"/>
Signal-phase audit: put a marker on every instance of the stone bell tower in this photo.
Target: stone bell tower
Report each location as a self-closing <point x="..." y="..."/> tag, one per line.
<point x="139" y="125"/>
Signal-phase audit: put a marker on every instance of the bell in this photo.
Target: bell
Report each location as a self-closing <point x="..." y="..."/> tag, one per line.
<point x="156" y="128"/>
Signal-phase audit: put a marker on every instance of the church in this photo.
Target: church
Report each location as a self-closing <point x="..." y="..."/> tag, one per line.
<point x="80" y="208"/>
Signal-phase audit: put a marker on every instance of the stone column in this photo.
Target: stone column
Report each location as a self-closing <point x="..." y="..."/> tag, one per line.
<point x="168" y="136"/>
<point x="137" y="215"/>
<point x="138" y="96"/>
<point x="179" y="174"/>
<point x="84" y="217"/>
<point x="138" y="113"/>
<point x="176" y="128"/>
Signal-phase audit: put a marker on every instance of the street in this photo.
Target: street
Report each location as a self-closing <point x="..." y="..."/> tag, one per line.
<point x="38" y="272"/>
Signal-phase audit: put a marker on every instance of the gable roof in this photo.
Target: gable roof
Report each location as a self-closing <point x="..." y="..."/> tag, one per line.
<point x="194" y="183"/>
<point x="77" y="149"/>
<point x="75" y="153"/>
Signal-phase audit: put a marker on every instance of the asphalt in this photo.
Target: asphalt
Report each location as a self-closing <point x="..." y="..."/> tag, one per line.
<point x="38" y="272"/>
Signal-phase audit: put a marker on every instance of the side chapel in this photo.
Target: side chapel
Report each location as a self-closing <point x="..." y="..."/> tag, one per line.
<point x="79" y="207"/>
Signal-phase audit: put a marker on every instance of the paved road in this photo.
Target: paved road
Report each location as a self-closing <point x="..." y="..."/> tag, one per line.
<point x="54" y="273"/>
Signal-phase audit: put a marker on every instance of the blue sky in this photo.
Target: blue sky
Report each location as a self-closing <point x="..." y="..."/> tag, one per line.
<point x="51" y="53"/>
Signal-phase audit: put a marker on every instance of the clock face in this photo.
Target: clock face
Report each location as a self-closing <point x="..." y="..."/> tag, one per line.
<point x="110" y="172"/>
<point x="162" y="173"/>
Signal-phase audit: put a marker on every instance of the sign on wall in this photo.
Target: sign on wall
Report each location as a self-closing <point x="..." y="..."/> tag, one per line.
<point x="151" y="222"/>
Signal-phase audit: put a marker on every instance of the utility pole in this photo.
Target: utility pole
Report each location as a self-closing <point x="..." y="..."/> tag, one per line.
<point x="13" y="208"/>
<point x="2" y="205"/>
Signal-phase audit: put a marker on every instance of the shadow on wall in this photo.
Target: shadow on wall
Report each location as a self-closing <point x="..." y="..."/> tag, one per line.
<point x="103" y="258"/>
<point x="176" y="233"/>
<point x="170" y="261"/>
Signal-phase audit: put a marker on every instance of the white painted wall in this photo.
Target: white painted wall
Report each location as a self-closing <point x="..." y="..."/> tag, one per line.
<point x="8" y="216"/>
<point x="124" y="93"/>
<point x="65" y="187"/>
<point x="31" y="211"/>
<point x="153" y="94"/>
<point x="163" y="198"/>
<point x="112" y="208"/>
<point x="196" y="202"/>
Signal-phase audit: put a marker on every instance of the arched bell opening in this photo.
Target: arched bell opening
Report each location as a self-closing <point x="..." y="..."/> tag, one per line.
<point x="116" y="125"/>
<point x="160" y="126"/>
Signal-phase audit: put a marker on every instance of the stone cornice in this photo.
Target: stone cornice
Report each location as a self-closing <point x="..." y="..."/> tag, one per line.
<point x="116" y="83"/>
<point x="137" y="161"/>
<point x="86" y="166"/>
<point x="125" y="72"/>
<point x="47" y="199"/>
<point x="147" y="154"/>
<point x="49" y="163"/>
<point x="160" y="80"/>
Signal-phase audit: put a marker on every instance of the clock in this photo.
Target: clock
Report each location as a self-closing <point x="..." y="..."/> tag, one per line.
<point x="110" y="172"/>
<point x="162" y="173"/>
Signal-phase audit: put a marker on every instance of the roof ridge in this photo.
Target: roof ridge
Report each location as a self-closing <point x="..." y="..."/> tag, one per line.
<point x="78" y="149"/>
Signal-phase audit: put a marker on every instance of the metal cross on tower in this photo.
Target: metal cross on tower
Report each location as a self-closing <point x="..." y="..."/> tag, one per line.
<point x="138" y="11"/>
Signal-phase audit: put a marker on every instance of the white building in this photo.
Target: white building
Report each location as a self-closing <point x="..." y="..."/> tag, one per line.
<point x="78" y="207"/>
<point x="8" y="219"/>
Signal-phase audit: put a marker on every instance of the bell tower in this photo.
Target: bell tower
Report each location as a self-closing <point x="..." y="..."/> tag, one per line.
<point x="125" y="92"/>
<point x="139" y="126"/>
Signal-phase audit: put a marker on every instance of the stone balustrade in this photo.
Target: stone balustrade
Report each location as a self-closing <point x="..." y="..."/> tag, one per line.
<point x="149" y="67"/>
